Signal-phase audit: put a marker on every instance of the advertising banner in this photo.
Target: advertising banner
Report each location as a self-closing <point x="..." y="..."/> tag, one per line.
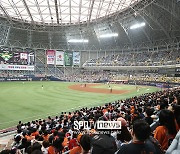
<point x="59" y="58"/>
<point x="50" y="56"/>
<point x="76" y="58"/>
<point x="68" y="58"/>
<point x="16" y="67"/>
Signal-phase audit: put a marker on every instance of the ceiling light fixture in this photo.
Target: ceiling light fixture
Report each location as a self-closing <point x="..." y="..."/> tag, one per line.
<point x="78" y="41"/>
<point x="109" y="35"/>
<point x="138" y="25"/>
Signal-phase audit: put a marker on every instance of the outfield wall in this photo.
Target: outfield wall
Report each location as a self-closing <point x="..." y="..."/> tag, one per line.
<point x="132" y="82"/>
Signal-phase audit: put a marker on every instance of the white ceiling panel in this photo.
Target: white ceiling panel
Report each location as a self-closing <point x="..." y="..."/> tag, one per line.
<point x="59" y="11"/>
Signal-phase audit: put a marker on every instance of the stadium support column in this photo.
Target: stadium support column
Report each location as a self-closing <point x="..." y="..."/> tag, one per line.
<point x="29" y="38"/>
<point x="72" y="69"/>
<point x="6" y="35"/>
<point x="46" y="66"/>
<point x="50" y="40"/>
<point x="64" y="71"/>
<point x="55" y="71"/>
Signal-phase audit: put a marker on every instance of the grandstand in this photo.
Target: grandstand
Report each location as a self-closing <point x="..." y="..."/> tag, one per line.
<point x="67" y="62"/>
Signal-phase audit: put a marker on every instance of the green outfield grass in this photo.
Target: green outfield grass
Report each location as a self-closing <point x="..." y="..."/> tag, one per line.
<point x="27" y="101"/>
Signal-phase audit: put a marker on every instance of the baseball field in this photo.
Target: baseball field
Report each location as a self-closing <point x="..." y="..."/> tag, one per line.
<point x="30" y="100"/>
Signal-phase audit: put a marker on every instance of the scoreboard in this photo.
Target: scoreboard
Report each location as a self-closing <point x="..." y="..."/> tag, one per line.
<point x="16" y="58"/>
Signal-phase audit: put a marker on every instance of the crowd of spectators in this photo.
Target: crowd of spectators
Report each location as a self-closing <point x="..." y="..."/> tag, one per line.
<point x="18" y="74"/>
<point x="146" y="77"/>
<point x="154" y="58"/>
<point x="86" y="76"/>
<point x="57" y="135"/>
<point x="94" y="76"/>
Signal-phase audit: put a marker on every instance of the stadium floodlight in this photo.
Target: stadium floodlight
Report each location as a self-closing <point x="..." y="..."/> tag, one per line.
<point x="108" y="35"/>
<point x="78" y="41"/>
<point x="138" y="25"/>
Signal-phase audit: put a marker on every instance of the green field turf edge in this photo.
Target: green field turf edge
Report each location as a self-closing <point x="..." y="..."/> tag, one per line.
<point x="28" y="101"/>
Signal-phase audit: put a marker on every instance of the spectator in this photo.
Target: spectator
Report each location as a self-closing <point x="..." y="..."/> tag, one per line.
<point x="148" y="117"/>
<point x="72" y="142"/>
<point x="122" y="136"/>
<point x="77" y="149"/>
<point x="17" y="142"/>
<point x="103" y="144"/>
<point x="166" y="132"/>
<point x="140" y="133"/>
<point x="36" y="148"/>
<point x="56" y="147"/>
<point x="24" y="144"/>
<point x="45" y="146"/>
<point x="85" y="143"/>
<point x="45" y="135"/>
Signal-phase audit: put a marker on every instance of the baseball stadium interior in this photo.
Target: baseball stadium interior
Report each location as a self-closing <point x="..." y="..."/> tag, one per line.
<point x="68" y="65"/>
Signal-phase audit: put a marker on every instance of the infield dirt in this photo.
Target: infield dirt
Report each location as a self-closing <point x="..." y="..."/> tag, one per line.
<point x="90" y="88"/>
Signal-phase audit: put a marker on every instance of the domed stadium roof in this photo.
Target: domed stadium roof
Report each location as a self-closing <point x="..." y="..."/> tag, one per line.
<point x="95" y="24"/>
<point x="57" y="12"/>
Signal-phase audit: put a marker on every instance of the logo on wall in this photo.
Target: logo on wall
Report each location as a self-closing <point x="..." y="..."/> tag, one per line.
<point x="6" y="55"/>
